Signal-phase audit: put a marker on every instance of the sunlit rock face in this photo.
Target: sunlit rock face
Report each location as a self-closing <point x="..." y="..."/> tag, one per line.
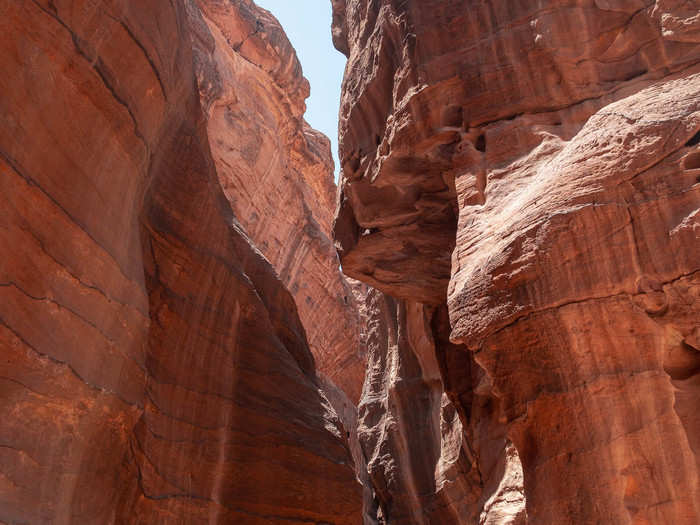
<point x="533" y="168"/>
<point x="153" y="368"/>
<point x="277" y="172"/>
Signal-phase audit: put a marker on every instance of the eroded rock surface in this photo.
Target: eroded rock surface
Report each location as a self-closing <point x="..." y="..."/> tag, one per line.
<point x="153" y="367"/>
<point x="434" y="446"/>
<point x="277" y="172"/>
<point x="530" y="170"/>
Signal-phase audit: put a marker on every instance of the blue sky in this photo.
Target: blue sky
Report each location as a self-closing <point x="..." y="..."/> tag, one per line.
<point x="308" y="27"/>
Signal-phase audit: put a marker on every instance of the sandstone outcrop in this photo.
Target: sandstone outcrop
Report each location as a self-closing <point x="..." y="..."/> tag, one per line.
<point x="277" y="172"/>
<point x="530" y="171"/>
<point x="153" y="367"/>
<point x="430" y="441"/>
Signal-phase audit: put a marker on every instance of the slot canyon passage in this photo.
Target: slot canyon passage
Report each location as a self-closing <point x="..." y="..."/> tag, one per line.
<point x="514" y="337"/>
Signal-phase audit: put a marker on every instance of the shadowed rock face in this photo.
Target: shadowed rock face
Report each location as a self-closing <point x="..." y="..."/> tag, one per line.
<point x="422" y="435"/>
<point x="153" y="367"/>
<point x="532" y="168"/>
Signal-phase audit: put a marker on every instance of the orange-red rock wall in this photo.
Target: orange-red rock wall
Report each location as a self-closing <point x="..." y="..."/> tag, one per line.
<point x="153" y="368"/>
<point x="277" y="173"/>
<point x="532" y="169"/>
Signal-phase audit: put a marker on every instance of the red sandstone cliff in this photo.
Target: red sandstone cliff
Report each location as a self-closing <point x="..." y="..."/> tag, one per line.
<point x="153" y="368"/>
<point x="529" y="173"/>
<point x="277" y="172"/>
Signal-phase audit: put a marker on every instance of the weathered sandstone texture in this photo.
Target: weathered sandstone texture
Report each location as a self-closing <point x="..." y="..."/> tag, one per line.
<point x="277" y="172"/>
<point x="529" y="172"/>
<point x="153" y="368"/>
<point x="422" y="435"/>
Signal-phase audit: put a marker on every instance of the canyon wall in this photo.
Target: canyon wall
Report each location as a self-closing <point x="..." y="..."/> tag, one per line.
<point x="421" y="457"/>
<point x="521" y="184"/>
<point x="153" y="366"/>
<point x="277" y="173"/>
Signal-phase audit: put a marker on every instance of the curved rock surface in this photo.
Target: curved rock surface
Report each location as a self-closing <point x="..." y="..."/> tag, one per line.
<point x="277" y="172"/>
<point x="420" y="451"/>
<point x="531" y="169"/>
<point x="154" y="368"/>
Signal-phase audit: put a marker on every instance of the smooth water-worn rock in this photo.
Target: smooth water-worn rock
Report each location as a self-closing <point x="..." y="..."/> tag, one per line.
<point x="153" y="368"/>
<point x="533" y="169"/>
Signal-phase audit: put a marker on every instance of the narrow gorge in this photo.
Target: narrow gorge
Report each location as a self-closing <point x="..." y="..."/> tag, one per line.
<point x="492" y="318"/>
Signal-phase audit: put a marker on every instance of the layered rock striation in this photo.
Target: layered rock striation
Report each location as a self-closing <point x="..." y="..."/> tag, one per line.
<point x="277" y="173"/>
<point x="528" y="173"/>
<point x="153" y="366"/>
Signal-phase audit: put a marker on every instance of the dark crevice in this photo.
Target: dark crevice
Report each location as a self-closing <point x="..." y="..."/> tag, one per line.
<point x="67" y="365"/>
<point x="692" y="161"/>
<point x="98" y="66"/>
<point x="145" y="53"/>
<point x="694" y="140"/>
<point x="635" y="74"/>
<point x="26" y="228"/>
<point x="258" y="27"/>
<point x="687" y="369"/>
<point x="11" y="284"/>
